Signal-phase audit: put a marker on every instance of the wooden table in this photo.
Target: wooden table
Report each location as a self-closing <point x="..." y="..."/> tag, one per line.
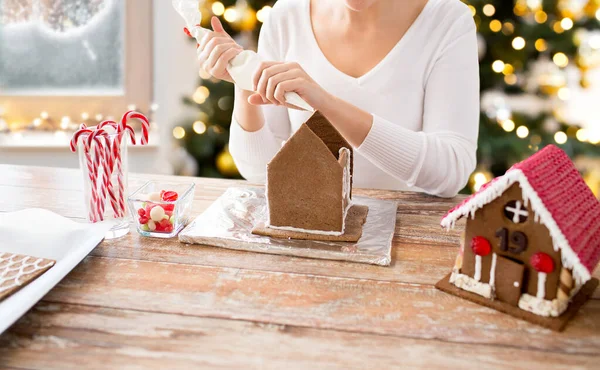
<point x="149" y="303"/>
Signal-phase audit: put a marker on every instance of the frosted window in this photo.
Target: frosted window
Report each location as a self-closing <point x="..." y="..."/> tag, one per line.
<point x="61" y="47"/>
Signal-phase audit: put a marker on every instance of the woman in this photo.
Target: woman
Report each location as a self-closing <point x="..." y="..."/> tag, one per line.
<point x="398" y="79"/>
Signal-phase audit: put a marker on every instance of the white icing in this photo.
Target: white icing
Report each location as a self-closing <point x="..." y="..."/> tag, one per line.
<point x="542" y="307"/>
<point x="471" y="285"/>
<point x="15" y="268"/>
<point x="541" y="215"/>
<point x="541" y="285"/>
<point x="477" y="275"/>
<point x="493" y="271"/>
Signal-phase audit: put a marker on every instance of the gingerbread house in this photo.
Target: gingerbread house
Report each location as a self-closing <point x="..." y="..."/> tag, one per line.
<point x="309" y="181"/>
<point x="532" y="237"/>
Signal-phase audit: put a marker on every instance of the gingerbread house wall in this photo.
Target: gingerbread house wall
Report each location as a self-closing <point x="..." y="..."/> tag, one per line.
<point x="304" y="185"/>
<point x="488" y="220"/>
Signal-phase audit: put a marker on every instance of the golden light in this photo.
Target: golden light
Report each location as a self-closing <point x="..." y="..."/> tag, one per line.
<point x="557" y="27"/>
<point x="498" y="66"/>
<point x="520" y="9"/>
<point x="508" y="28"/>
<point x="99" y="117"/>
<point x="473" y="10"/>
<point x="510" y="79"/>
<point x="218" y="8"/>
<point x="44" y="115"/>
<point x="598" y="14"/>
<point x="199" y="127"/>
<point x="540" y="16"/>
<point x="201" y="94"/>
<point x="154" y="107"/>
<point x="131" y="107"/>
<point x="85" y="116"/>
<point x="508" y="69"/>
<point x="594" y="136"/>
<point x="65" y="122"/>
<point x="518" y="43"/>
<point x="522" y="132"/>
<point x="263" y="13"/>
<point x="560" y="59"/>
<point x="178" y="132"/>
<point x="564" y="93"/>
<point x="495" y="25"/>
<point x="595" y="42"/>
<point x="489" y="10"/>
<point x="582" y="135"/>
<point x="540" y="45"/>
<point x="37" y="122"/>
<point x="231" y="15"/>
<point x="480" y="179"/>
<point x="566" y="23"/>
<point x="508" y="125"/>
<point x="560" y="137"/>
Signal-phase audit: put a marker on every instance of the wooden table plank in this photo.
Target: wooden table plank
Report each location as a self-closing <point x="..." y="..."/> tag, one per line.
<point x="361" y="305"/>
<point x="79" y="336"/>
<point x="118" y="304"/>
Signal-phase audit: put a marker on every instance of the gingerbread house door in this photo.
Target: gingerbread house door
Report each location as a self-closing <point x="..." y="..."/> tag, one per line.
<point x="508" y="280"/>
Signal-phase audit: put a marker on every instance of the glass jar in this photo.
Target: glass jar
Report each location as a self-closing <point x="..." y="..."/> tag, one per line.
<point x="103" y="165"/>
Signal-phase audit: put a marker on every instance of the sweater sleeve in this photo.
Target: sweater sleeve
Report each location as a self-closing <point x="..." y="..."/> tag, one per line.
<point x="440" y="158"/>
<point x="251" y="151"/>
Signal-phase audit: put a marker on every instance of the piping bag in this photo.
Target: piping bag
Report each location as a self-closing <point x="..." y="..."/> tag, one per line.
<point x="242" y="67"/>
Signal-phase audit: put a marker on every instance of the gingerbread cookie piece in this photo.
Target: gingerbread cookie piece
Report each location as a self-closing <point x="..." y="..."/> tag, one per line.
<point x="17" y="270"/>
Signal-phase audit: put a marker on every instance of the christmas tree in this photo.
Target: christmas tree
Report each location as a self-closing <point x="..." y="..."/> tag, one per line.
<point x="537" y="66"/>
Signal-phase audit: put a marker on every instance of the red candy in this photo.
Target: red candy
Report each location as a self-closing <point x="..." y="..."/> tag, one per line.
<point x="141" y="212"/>
<point x="542" y="262"/>
<point x="481" y="246"/>
<point x="144" y="220"/>
<point x="168" y="207"/>
<point x="169" y="196"/>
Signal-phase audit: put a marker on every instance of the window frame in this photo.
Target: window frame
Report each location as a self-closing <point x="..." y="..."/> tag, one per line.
<point x="137" y="79"/>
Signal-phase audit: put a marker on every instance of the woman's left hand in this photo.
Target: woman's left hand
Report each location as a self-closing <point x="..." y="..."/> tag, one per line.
<point x="273" y="79"/>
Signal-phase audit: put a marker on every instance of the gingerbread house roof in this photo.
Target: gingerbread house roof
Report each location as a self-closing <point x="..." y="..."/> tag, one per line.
<point x="560" y="200"/>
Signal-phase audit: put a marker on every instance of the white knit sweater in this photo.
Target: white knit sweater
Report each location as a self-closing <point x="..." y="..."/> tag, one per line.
<point x="424" y="98"/>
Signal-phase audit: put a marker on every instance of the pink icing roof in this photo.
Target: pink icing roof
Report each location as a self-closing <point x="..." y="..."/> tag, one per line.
<point x="565" y="196"/>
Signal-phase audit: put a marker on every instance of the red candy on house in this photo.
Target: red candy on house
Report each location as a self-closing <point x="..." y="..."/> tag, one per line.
<point x="481" y="246"/>
<point x="542" y="262"/>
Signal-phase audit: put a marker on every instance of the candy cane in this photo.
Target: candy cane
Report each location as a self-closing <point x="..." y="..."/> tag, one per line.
<point x="83" y="130"/>
<point x="95" y="139"/>
<point x="143" y="119"/>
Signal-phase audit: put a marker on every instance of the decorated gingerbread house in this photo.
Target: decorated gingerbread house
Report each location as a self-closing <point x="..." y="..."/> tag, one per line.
<point x="532" y="237"/>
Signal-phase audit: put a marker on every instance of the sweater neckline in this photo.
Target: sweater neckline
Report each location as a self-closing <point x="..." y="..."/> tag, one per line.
<point x="407" y="35"/>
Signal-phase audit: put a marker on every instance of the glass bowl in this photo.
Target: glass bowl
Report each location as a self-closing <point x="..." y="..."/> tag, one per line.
<point x="160" y="218"/>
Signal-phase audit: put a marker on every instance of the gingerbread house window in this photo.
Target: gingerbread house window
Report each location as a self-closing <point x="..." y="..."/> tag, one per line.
<point x="516" y="212"/>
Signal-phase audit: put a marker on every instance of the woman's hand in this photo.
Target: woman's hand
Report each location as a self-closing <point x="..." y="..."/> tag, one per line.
<point x="273" y="79"/>
<point x="216" y="50"/>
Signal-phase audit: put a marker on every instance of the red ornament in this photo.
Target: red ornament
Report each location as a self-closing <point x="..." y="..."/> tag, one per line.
<point x="481" y="246"/>
<point x="542" y="262"/>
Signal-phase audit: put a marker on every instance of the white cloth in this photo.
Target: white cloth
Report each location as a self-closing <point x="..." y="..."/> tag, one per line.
<point x="424" y="97"/>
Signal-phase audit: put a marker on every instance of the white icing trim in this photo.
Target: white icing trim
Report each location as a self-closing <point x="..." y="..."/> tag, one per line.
<point x="569" y="258"/>
<point x="477" y="275"/>
<point x="542" y="307"/>
<point x="541" y="285"/>
<point x="493" y="271"/>
<point x="471" y="285"/>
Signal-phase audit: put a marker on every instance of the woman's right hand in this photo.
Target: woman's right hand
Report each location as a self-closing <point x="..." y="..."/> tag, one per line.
<point x="216" y="50"/>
